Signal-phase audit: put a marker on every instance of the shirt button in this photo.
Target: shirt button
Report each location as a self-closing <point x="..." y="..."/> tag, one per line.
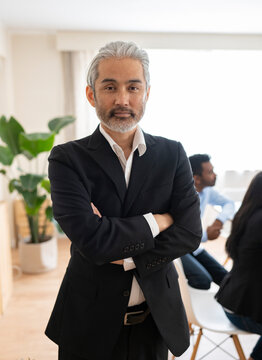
<point x="126" y="293"/>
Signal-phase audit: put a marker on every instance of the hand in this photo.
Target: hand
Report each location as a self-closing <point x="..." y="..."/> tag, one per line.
<point x="95" y="210"/>
<point x="213" y="231"/>
<point x="118" y="262"/>
<point x="163" y="221"/>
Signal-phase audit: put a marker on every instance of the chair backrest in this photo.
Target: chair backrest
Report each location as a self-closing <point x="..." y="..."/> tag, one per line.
<point x="201" y="307"/>
<point x="185" y="292"/>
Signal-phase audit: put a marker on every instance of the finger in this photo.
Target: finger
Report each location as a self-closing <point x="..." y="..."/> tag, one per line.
<point x="95" y="210"/>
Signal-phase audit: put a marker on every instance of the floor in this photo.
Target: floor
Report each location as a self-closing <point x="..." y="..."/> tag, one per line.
<point x="22" y="326"/>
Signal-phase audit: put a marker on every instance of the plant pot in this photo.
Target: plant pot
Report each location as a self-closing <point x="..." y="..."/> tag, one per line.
<point x="38" y="258"/>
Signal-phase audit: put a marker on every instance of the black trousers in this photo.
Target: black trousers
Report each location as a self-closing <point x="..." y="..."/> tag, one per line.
<point x="136" y="342"/>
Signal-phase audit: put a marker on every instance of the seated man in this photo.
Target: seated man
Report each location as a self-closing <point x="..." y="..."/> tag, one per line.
<point x="200" y="267"/>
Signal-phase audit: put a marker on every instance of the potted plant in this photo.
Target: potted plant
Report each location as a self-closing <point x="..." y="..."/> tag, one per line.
<point x="32" y="185"/>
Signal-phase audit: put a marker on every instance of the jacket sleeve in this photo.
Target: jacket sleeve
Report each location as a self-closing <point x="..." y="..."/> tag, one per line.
<point x="184" y="235"/>
<point x="99" y="240"/>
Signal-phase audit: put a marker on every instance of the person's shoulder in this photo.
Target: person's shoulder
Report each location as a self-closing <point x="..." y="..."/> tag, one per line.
<point x="69" y="149"/>
<point x="161" y="141"/>
<point x="255" y="219"/>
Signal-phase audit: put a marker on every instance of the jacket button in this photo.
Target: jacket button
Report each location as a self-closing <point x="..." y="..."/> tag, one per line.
<point x="126" y="293"/>
<point x="126" y="249"/>
<point x="142" y="246"/>
<point x="137" y="247"/>
<point x="148" y="266"/>
<point x="132" y="247"/>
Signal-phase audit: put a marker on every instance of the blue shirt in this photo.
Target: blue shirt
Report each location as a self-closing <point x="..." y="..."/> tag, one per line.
<point x="212" y="197"/>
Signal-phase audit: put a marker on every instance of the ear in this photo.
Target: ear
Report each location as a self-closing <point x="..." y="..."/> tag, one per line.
<point x="197" y="179"/>
<point x="147" y="93"/>
<point x="90" y="95"/>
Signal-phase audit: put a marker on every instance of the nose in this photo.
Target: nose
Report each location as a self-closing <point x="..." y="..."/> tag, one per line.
<point x="122" y="97"/>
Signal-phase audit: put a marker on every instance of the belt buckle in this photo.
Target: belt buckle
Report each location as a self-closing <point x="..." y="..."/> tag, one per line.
<point x="131" y="313"/>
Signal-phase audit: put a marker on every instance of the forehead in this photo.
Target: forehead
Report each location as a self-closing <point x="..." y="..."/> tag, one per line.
<point x="123" y="69"/>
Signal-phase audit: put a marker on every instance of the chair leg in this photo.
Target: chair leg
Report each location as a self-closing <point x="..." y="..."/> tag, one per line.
<point x="238" y="347"/>
<point x="226" y="261"/>
<point x="193" y="356"/>
<point x="191" y="330"/>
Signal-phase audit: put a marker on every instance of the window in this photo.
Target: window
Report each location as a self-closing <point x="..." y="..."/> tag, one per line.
<point x="210" y="101"/>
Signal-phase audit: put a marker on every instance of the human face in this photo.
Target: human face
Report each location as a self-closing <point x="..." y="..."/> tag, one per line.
<point x="120" y="94"/>
<point x="208" y="177"/>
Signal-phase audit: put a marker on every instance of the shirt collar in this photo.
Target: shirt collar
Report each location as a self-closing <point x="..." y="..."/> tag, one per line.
<point x="138" y="142"/>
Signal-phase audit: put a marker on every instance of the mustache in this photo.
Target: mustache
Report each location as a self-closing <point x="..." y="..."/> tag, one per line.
<point x="113" y="111"/>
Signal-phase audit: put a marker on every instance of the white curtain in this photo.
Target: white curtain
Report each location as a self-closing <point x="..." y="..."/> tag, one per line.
<point x="75" y="66"/>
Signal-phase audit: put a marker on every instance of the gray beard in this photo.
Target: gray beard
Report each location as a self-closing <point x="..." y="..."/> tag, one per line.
<point x="121" y="127"/>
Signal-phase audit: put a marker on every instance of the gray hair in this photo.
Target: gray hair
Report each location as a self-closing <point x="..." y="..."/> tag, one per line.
<point x="118" y="49"/>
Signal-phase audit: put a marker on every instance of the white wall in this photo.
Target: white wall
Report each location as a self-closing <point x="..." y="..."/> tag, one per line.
<point x="32" y="85"/>
<point x="2" y="41"/>
<point x="2" y="89"/>
<point x="37" y="79"/>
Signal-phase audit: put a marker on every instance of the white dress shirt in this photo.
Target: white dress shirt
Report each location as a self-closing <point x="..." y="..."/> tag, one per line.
<point x="136" y="295"/>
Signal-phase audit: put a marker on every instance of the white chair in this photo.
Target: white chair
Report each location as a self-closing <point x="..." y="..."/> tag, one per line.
<point x="205" y="312"/>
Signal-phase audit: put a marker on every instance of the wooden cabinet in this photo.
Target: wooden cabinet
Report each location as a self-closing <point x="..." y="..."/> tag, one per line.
<point x="6" y="280"/>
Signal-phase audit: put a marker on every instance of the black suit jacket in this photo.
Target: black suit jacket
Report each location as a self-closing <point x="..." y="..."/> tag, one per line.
<point x="90" y="307"/>
<point x="241" y="289"/>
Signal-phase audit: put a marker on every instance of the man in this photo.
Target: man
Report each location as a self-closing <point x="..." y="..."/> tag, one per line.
<point x="199" y="266"/>
<point x="127" y="202"/>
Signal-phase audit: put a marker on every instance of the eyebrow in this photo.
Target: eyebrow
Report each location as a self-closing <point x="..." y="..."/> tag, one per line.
<point x="114" y="80"/>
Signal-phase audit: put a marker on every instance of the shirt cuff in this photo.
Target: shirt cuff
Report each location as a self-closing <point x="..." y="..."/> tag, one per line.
<point x="204" y="236"/>
<point x="222" y="218"/>
<point x="152" y="224"/>
<point x="129" y="264"/>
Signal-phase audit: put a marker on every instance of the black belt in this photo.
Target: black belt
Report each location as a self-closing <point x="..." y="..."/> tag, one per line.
<point x="136" y="314"/>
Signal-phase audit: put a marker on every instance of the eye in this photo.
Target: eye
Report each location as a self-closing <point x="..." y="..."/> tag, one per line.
<point x="133" y="88"/>
<point x="109" y="88"/>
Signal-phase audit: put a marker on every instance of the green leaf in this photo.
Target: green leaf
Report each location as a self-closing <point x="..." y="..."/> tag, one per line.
<point x="49" y="213"/>
<point x="2" y="171"/>
<point x="27" y="155"/>
<point x="6" y="156"/>
<point x="30" y="181"/>
<point x="15" y="184"/>
<point x="32" y="200"/>
<point x="46" y="185"/>
<point x="9" y="133"/>
<point x="34" y="207"/>
<point x="36" y="143"/>
<point x="57" y="124"/>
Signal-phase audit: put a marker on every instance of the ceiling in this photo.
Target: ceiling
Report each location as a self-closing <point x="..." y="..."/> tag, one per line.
<point x="202" y="16"/>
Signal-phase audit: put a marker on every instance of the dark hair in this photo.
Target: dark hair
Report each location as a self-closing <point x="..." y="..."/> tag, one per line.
<point x="251" y="202"/>
<point x="196" y="162"/>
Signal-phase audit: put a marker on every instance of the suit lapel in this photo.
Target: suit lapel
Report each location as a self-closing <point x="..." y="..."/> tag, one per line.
<point x="101" y="152"/>
<point x="141" y="169"/>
